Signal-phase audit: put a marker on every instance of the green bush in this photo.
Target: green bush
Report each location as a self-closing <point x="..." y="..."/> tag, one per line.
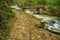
<point x="0" y="38"/>
<point x="5" y="15"/>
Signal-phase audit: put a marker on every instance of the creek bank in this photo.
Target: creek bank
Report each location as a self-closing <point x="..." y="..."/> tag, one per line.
<point x="49" y="22"/>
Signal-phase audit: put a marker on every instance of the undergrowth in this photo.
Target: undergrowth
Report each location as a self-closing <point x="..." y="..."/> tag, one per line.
<point x="4" y="22"/>
<point x="6" y="15"/>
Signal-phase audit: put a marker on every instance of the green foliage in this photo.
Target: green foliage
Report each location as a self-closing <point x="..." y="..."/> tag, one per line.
<point x="54" y="7"/>
<point x="9" y="12"/>
<point x="2" y="2"/>
<point x="0" y="38"/>
<point x="34" y="1"/>
<point x="5" y="15"/>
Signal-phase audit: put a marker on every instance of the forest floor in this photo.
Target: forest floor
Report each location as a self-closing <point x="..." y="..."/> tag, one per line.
<point x="24" y="29"/>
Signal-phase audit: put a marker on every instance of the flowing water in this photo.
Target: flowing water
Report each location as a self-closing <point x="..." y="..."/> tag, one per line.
<point x="51" y="23"/>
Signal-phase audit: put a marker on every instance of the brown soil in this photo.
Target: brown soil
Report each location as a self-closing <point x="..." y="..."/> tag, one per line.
<point x="24" y="29"/>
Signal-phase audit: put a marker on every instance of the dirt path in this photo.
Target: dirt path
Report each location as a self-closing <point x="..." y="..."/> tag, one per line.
<point x="24" y="29"/>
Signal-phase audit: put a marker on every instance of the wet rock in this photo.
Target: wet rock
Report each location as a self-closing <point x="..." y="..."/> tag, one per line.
<point x="15" y="7"/>
<point x="29" y="11"/>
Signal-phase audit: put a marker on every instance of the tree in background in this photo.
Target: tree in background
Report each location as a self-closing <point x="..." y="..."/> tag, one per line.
<point x="53" y="5"/>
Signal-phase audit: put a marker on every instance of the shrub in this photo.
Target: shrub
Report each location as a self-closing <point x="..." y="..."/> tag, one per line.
<point x="5" y="15"/>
